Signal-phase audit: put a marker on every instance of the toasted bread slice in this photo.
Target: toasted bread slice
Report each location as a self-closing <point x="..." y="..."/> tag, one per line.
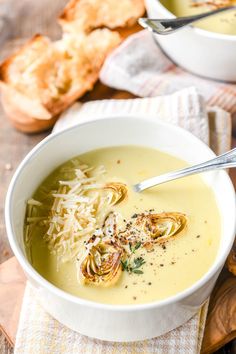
<point x="44" y="78"/>
<point x="14" y="80"/>
<point x="87" y="15"/>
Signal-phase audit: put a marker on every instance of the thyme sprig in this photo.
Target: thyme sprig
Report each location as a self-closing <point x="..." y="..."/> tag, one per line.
<point x="131" y="265"/>
<point x="134" y="248"/>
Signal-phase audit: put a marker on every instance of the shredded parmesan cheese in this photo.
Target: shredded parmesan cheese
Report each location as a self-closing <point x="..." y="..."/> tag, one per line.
<point x="78" y="209"/>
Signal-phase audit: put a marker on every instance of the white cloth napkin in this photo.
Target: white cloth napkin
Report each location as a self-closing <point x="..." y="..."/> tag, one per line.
<point x="139" y="66"/>
<point x="39" y="333"/>
<point x="185" y="108"/>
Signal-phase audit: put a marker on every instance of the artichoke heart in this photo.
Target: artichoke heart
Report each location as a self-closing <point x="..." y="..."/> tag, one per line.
<point x="102" y="265"/>
<point x="160" y="227"/>
<point x="149" y="229"/>
<point x="118" y="191"/>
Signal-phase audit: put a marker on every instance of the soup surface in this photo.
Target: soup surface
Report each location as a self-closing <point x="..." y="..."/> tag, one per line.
<point x="89" y="234"/>
<point x="221" y="23"/>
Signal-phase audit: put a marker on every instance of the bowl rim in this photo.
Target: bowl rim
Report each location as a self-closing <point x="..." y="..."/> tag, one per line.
<point x="45" y="284"/>
<point x="200" y="31"/>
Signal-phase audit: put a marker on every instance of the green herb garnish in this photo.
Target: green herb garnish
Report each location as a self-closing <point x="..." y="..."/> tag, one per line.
<point x="138" y="262"/>
<point x="125" y="265"/>
<point x="132" y="266"/>
<point x="134" y="249"/>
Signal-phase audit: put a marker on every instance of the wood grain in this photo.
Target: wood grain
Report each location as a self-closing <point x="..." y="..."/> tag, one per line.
<point x="12" y="280"/>
<point x="221" y="320"/>
<point x="231" y="261"/>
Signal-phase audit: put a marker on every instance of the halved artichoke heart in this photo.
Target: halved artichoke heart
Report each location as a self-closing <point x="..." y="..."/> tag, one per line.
<point x="160" y="227"/>
<point x="102" y="266"/>
<point x="118" y="191"/>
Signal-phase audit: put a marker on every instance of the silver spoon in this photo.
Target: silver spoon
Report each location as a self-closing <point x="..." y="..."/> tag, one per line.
<point x="168" y="26"/>
<point x="227" y="160"/>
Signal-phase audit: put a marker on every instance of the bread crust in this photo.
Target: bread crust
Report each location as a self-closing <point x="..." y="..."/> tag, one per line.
<point x="90" y="14"/>
<point x="36" y="40"/>
<point x="32" y="105"/>
<point x="43" y="77"/>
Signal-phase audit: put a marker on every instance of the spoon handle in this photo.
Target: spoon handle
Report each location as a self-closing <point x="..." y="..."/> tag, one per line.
<point x="227" y="160"/>
<point x="167" y="26"/>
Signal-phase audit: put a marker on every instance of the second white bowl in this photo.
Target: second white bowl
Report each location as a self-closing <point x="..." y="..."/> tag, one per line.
<point x="205" y="53"/>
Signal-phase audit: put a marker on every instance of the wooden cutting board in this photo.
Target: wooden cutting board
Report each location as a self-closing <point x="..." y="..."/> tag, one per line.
<point x="220" y="325"/>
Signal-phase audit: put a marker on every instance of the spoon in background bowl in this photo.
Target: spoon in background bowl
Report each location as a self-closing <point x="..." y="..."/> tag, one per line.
<point x="226" y="160"/>
<point x="168" y="26"/>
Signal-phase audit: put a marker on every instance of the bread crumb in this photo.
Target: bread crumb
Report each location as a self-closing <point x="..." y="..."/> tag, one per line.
<point x="8" y="167"/>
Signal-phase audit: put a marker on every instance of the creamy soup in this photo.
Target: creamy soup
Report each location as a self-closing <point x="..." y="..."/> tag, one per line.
<point x="221" y="23"/>
<point x="90" y="234"/>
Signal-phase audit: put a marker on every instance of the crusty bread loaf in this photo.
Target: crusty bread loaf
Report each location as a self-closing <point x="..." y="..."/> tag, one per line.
<point x="90" y="14"/>
<point x="44" y="77"/>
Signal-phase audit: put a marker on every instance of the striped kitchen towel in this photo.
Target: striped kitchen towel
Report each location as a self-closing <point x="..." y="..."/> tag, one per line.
<point x="139" y="66"/>
<point x="38" y="332"/>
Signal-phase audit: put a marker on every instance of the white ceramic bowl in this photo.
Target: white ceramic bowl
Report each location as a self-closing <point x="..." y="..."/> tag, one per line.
<point x="109" y="322"/>
<point x="205" y="53"/>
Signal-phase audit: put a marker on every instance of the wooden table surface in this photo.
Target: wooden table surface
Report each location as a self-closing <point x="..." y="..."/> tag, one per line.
<point x="14" y="146"/>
